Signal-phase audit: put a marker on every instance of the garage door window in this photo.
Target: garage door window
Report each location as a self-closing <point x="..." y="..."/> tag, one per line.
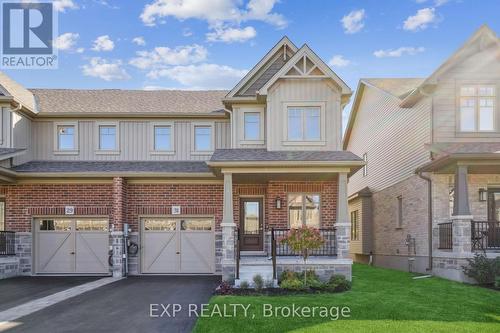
<point x="91" y="225"/>
<point x="55" y="225"/>
<point x="159" y="224"/>
<point x="198" y="224"/>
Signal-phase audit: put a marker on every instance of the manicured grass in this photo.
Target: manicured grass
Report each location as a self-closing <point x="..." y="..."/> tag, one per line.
<point x="381" y="300"/>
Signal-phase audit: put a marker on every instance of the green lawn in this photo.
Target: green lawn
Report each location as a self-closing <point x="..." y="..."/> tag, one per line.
<point x="381" y="300"/>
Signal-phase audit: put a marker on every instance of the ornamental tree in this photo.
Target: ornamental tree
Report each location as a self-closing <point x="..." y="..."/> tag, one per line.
<point x="303" y="240"/>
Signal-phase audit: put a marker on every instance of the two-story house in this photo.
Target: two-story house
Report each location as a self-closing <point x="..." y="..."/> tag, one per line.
<point x="198" y="179"/>
<point x="428" y="197"/>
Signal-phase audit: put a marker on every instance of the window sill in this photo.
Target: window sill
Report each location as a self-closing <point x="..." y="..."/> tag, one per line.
<point x="304" y="143"/>
<point x="484" y="134"/>
<point x="66" y="152"/>
<point x="107" y="152"/>
<point x="252" y="142"/>
<point x="162" y="152"/>
<point x="205" y="152"/>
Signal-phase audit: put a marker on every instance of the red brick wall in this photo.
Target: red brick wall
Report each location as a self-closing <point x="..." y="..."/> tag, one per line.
<point x="157" y="199"/>
<point x="24" y="201"/>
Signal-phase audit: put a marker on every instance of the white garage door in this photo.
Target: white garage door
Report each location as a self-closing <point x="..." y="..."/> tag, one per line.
<point x="177" y="245"/>
<point x="71" y="246"/>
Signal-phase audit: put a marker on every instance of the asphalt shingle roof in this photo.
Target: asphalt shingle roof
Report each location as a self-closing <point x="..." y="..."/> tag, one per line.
<point x="6" y="151"/>
<point x="467" y="148"/>
<point x="50" y="101"/>
<point x="226" y="155"/>
<point x="113" y="166"/>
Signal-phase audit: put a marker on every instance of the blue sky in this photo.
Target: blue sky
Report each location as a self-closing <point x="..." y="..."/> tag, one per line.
<point x="210" y="44"/>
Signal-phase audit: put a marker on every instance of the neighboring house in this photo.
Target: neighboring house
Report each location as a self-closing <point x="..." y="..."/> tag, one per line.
<point x="184" y="170"/>
<point x="432" y="178"/>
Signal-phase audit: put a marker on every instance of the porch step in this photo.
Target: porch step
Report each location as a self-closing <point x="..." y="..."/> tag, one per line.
<point x="247" y="273"/>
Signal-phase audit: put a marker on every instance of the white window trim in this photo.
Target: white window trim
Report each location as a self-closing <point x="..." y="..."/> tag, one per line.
<point x="99" y="151"/>
<point x="365" y="167"/>
<point x="75" y="150"/>
<point x="152" y="138"/>
<point x="496" y="102"/>
<point x="193" y="138"/>
<point x="303" y="194"/>
<point x="322" y="120"/>
<point x="260" y="140"/>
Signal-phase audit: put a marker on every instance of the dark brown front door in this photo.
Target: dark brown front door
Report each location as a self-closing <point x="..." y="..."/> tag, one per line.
<point x="251" y="218"/>
<point x="494" y="205"/>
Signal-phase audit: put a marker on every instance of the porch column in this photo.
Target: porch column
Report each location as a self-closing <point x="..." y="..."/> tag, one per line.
<point x="461" y="212"/>
<point x="343" y="225"/>
<point x="228" y="231"/>
<point x="117" y="219"/>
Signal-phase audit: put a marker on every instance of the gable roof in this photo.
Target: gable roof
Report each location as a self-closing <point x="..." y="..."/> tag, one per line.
<point x="267" y="66"/>
<point x="305" y="50"/>
<point x="56" y="102"/>
<point x="398" y="88"/>
<point x="17" y="92"/>
<point x="482" y="38"/>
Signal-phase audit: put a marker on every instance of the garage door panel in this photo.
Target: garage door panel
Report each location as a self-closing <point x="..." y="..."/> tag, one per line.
<point x="55" y="252"/>
<point x="91" y="255"/>
<point x="160" y="252"/>
<point x="197" y="250"/>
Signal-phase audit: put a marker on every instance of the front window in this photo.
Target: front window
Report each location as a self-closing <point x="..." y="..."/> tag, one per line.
<point x="477" y="108"/>
<point x="304" y="210"/>
<point x="354" y="225"/>
<point x="304" y="123"/>
<point x="252" y="125"/>
<point x="107" y="137"/>
<point x="163" y="138"/>
<point x="203" y="138"/>
<point x="66" y="137"/>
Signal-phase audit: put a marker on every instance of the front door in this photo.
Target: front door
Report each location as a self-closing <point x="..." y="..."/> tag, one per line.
<point x="494" y="205"/>
<point x="251" y="231"/>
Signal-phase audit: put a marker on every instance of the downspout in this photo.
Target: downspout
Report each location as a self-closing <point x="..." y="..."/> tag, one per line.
<point x="429" y="217"/>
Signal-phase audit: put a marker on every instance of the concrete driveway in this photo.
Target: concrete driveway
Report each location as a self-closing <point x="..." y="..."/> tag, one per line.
<point x="124" y="306"/>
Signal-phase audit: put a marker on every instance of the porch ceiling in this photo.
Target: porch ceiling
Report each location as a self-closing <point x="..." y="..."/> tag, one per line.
<point x="262" y="178"/>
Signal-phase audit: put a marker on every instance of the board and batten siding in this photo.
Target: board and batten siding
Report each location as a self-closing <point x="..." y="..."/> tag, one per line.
<point x="134" y="141"/>
<point x="393" y="138"/>
<point x="480" y="68"/>
<point x="238" y="124"/>
<point x="307" y="91"/>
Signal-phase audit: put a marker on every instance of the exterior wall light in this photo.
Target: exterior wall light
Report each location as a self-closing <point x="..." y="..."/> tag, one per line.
<point x="483" y="194"/>
<point x="278" y="203"/>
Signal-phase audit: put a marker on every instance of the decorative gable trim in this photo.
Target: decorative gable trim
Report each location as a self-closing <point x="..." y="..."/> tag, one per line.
<point x="306" y="64"/>
<point x="284" y="44"/>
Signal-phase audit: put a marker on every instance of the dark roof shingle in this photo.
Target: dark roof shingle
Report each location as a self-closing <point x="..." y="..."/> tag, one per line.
<point x="7" y="151"/>
<point x="226" y="155"/>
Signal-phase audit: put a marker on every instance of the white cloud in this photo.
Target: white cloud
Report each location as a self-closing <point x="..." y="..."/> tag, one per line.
<point x="62" y="5"/>
<point x="394" y="53"/>
<point x="230" y="35"/>
<point x="139" y="41"/>
<point x="164" y="56"/>
<point x="104" y="69"/>
<point x="186" y="32"/>
<point x="103" y="43"/>
<point x="203" y="76"/>
<point x="437" y="3"/>
<point x="354" y="21"/>
<point x="67" y="42"/>
<point x="219" y="11"/>
<point x="420" y="20"/>
<point x="339" y="61"/>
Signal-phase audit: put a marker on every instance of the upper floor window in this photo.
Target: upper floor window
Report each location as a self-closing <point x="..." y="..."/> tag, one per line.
<point x="107" y="137"/>
<point x="252" y="125"/>
<point x="203" y="140"/>
<point x="162" y="138"/>
<point x="304" y="123"/>
<point x="477" y="108"/>
<point x="65" y="137"/>
<point x="304" y="210"/>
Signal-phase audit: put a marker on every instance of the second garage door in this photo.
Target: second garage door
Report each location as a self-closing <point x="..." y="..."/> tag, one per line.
<point x="177" y="245"/>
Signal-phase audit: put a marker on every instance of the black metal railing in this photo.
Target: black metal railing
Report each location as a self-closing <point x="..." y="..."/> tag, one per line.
<point x="7" y="243"/>
<point x="238" y="256"/>
<point x="485" y="235"/>
<point x="329" y="248"/>
<point x="445" y="236"/>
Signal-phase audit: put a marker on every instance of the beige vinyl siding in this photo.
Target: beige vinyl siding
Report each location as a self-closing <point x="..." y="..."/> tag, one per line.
<point x="480" y="68"/>
<point x="134" y="144"/>
<point x="394" y="139"/>
<point x="307" y="91"/>
<point x="22" y="137"/>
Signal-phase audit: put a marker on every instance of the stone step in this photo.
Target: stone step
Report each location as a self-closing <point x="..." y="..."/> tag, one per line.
<point x="247" y="273"/>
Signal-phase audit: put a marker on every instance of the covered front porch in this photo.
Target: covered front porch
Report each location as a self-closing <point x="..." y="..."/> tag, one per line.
<point x="263" y="200"/>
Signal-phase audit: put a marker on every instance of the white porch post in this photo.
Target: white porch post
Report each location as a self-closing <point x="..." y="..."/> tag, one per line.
<point x="343" y="225"/>
<point x="228" y="230"/>
<point x="462" y="218"/>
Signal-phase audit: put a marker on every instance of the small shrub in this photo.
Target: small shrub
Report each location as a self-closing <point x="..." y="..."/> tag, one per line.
<point x="258" y="282"/>
<point x="315" y="284"/>
<point x="287" y="275"/>
<point x="244" y="285"/>
<point x="269" y="284"/>
<point x="224" y="288"/>
<point x="497" y="282"/>
<point x="293" y="284"/>
<point x="482" y="269"/>
<point x="338" y="283"/>
<point x="311" y="275"/>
